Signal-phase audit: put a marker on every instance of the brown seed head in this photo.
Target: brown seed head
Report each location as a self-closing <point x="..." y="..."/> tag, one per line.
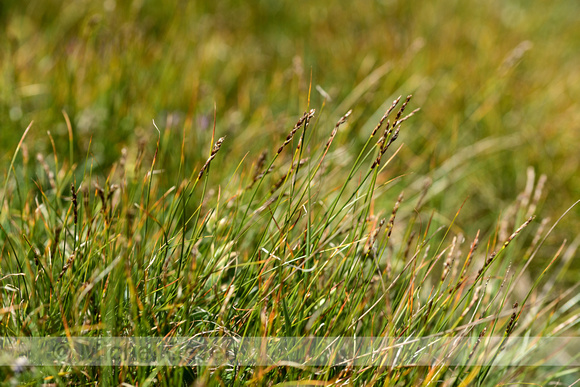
<point x="384" y="117"/>
<point x="305" y="119"/>
<point x="403" y="106"/>
<point x="214" y="151"/>
<point x="74" y="202"/>
<point x="341" y="121"/>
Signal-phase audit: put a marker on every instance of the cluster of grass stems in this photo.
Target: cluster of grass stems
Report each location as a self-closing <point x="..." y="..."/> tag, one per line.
<point x="295" y="243"/>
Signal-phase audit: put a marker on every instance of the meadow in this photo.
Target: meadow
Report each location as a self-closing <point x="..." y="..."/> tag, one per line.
<point x="378" y="169"/>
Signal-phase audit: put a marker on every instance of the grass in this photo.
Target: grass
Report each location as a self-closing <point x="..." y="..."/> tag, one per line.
<point x="292" y="244"/>
<point x="499" y="71"/>
<point x="239" y="212"/>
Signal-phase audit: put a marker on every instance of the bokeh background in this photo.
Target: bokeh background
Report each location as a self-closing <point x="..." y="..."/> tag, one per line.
<point x="498" y="83"/>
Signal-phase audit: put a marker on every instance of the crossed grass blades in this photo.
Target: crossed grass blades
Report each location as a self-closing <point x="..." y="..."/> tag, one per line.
<point x="294" y="246"/>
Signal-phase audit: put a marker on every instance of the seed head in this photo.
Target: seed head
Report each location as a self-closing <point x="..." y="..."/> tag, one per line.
<point x="305" y="119"/>
<point x="74" y="202"/>
<point x="214" y="151"/>
<point x="384" y="117"/>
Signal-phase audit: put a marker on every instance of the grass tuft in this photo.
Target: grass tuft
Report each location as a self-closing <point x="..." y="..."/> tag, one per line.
<point x="306" y="254"/>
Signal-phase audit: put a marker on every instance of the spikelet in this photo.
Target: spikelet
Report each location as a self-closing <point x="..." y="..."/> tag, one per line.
<point x="214" y="151"/>
<point x="305" y="119"/>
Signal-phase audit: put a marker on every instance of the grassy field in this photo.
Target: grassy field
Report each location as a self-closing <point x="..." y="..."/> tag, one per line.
<point x="216" y="169"/>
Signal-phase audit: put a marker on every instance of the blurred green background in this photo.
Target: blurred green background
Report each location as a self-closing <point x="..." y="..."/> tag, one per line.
<point x="498" y="83"/>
